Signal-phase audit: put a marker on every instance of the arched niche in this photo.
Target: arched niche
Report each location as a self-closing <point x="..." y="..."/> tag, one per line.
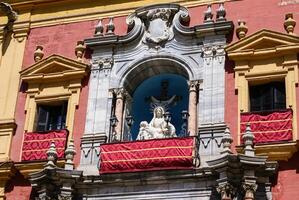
<point x="145" y="68"/>
<point x="139" y="79"/>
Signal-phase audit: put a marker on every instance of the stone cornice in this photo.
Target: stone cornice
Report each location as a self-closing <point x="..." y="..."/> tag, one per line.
<point x="263" y="44"/>
<point x="44" y="70"/>
<point x="30" y="167"/>
<point x="54" y="14"/>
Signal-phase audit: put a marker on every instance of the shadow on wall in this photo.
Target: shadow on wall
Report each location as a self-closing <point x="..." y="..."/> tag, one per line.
<point x="18" y="188"/>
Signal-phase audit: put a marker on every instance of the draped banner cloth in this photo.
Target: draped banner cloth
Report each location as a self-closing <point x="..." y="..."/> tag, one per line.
<point x="36" y="144"/>
<point x="268" y="127"/>
<point x="147" y="155"/>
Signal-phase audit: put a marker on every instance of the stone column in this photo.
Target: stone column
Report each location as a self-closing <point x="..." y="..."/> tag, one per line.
<point x="119" y="109"/>
<point x="192" y="122"/>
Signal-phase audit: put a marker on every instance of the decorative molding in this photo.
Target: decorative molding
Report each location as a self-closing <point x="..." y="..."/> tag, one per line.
<point x="275" y="152"/>
<point x="265" y="55"/>
<point x="7" y="130"/>
<point x="92" y="11"/>
<point x="53" y="79"/>
<point x="31" y="167"/>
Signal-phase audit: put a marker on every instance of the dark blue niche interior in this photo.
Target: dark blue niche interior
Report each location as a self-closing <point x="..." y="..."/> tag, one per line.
<point x="173" y="85"/>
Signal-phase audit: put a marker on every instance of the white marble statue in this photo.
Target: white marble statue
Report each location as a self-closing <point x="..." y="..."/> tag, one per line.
<point x="157" y="128"/>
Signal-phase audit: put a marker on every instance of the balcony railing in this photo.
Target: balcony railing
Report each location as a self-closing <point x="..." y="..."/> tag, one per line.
<point x="149" y="155"/>
<point x="36" y="144"/>
<point x="269" y="126"/>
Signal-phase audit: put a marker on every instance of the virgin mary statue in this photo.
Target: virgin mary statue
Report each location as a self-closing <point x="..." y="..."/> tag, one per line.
<point x="157" y="128"/>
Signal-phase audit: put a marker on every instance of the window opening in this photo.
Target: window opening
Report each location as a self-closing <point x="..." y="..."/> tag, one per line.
<point x="267" y="97"/>
<point x="51" y="117"/>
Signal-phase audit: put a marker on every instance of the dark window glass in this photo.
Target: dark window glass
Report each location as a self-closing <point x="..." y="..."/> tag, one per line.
<point x="270" y="96"/>
<point x="51" y="117"/>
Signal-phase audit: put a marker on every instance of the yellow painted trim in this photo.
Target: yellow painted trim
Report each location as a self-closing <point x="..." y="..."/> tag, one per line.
<point x="7" y="129"/>
<point x="31" y="167"/>
<point x="275" y="152"/>
<point x="263" y="57"/>
<point x="46" y="85"/>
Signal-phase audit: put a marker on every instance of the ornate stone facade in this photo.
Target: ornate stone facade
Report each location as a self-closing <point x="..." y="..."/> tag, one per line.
<point x="93" y="57"/>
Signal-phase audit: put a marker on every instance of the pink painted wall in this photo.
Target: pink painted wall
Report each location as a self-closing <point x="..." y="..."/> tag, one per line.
<point x="287" y="180"/>
<point x="18" y="188"/>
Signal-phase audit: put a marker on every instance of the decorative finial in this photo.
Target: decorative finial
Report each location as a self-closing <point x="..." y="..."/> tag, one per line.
<point x="110" y="27"/>
<point x="70" y="152"/>
<point x="248" y="138"/>
<point x="99" y="28"/>
<point x="226" y="141"/>
<point x="208" y="15"/>
<point x="289" y="23"/>
<point x="38" y="53"/>
<point x="241" y="29"/>
<point x="79" y="50"/>
<point x="221" y="13"/>
<point x="51" y="157"/>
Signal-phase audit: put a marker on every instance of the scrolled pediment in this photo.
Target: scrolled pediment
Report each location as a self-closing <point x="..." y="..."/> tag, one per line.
<point x="54" y="67"/>
<point x="263" y="43"/>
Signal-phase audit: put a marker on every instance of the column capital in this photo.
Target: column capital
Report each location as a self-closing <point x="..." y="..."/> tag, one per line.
<point x="249" y="188"/>
<point x="120" y="93"/>
<point x="226" y="190"/>
<point x="194" y="85"/>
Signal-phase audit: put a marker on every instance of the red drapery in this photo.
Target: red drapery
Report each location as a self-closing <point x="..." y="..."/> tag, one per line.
<point x="36" y="144"/>
<point x="157" y="154"/>
<point x="269" y="126"/>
